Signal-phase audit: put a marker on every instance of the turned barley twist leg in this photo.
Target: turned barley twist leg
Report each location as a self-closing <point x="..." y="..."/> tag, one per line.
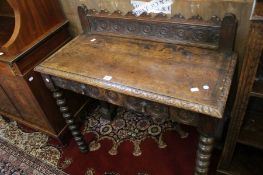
<point x="75" y="131"/>
<point x="204" y="151"/>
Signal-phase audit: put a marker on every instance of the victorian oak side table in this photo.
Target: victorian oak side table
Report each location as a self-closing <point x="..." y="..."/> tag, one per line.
<point x="176" y="67"/>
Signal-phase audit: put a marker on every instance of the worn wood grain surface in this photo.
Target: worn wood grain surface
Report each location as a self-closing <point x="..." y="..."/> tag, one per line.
<point x="205" y="8"/>
<point x="167" y="70"/>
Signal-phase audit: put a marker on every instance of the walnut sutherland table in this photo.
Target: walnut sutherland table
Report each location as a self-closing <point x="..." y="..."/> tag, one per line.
<point x="181" y="68"/>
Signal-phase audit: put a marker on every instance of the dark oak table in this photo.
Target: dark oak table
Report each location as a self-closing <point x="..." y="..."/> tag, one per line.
<point x="159" y="75"/>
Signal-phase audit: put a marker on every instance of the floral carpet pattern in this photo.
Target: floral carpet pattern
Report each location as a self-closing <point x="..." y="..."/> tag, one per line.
<point x="34" y="144"/>
<point x="92" y="172"/>
<point x="14" y="161"/>
<point x="129" y="126"/>
<point x="24" y="153"/>
<point x="131" y="137"/>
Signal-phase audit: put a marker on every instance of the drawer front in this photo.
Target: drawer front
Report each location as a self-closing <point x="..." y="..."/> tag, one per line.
<point x="151" y="108"/>
<point x="133" y="103"/>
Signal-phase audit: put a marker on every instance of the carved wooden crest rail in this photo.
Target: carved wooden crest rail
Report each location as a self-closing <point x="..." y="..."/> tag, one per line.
<point x="162" y="66"/>
<point x="213" y="33"/>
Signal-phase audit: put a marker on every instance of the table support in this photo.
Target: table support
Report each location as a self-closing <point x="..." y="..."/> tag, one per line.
<point x="74" y="129"/>
<point x="205" y="125"/>
<point x="107" y="110"/>
<point x="204" y="152"/>
<point x="64" y="110"/>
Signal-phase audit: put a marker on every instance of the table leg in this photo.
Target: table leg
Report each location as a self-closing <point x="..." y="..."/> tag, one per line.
<point x="107" y="110"/>
<point x="204" y="152"/>
<point x="75" y="131"/>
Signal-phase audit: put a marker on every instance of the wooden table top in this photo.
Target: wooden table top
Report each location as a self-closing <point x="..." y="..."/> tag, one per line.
<point x="185" y="77"/>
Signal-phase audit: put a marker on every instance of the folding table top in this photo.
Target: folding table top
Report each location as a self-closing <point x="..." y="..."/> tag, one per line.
<point x="186" y="77"/>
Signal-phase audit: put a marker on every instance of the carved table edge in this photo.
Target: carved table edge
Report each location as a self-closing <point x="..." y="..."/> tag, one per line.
<point x="221" y="102"/>
<point x="212" y="111"/>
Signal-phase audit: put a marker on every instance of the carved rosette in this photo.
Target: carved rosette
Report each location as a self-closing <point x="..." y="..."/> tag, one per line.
<point x="163" y="31"/>
<point x="93" y="92"/>
<point x="113" y="97"/>
<point x="157" y="110"/>
<point x="117" y="26"/>
<point x="147" y="29"/>
<point x="136" y="104"/>
<point x="132" y="28"/>
<point x="102" y="25"/>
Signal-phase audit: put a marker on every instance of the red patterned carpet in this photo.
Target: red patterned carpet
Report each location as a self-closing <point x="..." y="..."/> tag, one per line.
<point x="129" y="145"/>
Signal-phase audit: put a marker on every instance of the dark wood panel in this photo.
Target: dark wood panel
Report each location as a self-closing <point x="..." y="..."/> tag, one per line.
<point x="257" y="90"/>
<point x="5" y="9"/>
<point x="38" y="29"/>
<point x="246" y="161"/>
<point x="252" y="130"/>
<point x="44" y="99"/>
<point x="42" y="50"/>
<point x="6" y="105"/>
<point x="244" y="96"/>
<point x="45" y="15"/>
<point x="194" y="31"/>
<point x="7" y="25"/>
<point x="47" y="103"/>
<point x="5" y="70"/>
<point x="258" y="84"/>
<point x="21" y="96"/>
